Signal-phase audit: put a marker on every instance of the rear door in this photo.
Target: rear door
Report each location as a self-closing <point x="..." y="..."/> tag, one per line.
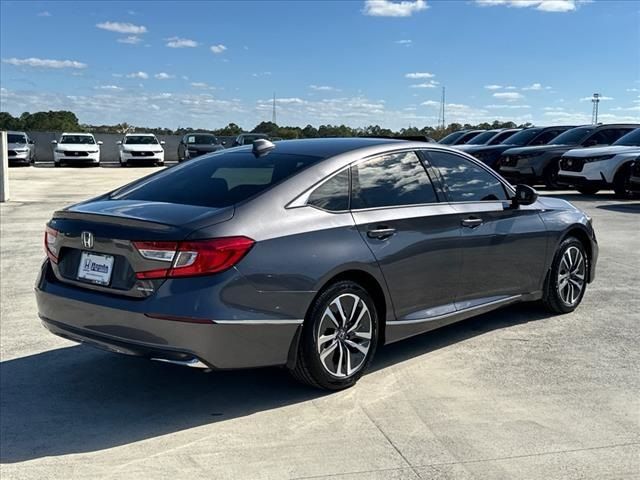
<point x="413" y="235"/>
<point x="503" y="249"/>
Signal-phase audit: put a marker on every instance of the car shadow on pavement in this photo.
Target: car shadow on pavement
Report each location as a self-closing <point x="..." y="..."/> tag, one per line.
<point x="77" y="399"/>
<point x="632" y="207"/>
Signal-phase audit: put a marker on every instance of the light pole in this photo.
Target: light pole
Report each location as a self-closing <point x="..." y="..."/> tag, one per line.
<point x="594" y="114"/>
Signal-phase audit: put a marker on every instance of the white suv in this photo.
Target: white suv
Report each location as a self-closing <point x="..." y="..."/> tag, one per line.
<point x="592" y="169"/>
<point x="76" y="148"/>
<point x="141" y="147"/>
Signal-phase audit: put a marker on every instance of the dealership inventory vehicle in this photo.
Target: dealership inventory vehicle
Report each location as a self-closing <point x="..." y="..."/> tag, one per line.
<point x="306" y="253"/>
<point x="634" y="179"/>
<point x="460" y="137"/>
<point x="140" y="148"/>
<point x="489" y="154"/>
<point x="592" y="169"/>
<point x="249" y="138"/>
<point x="541" y="164"/>
<point x="76" y="148"/>
<point x="196" y="143"/>
<point x="20" y="149"/>
<point x="490" y="137"/>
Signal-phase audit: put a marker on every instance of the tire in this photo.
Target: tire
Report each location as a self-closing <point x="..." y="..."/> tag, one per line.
<point x="550" y="175"/>
<point x="328" y="350"/>
<point x="569" y="264"/>
<point x="124" y="163"/>
<point x="586" y="190"/>
<point x="56" y="164"/>
<point x="622" y="183"/>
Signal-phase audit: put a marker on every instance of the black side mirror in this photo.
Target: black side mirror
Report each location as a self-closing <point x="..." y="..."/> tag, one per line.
<point x="525" y="195"/>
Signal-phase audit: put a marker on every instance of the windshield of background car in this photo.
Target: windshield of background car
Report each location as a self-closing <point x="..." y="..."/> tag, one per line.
<point x="631" y="139"/>
<point x="140" y="140"/>
<point x="82" y="139"/>
<point x="452" y="137"/>
<point x="217" y="180"/>
<point x="522" y="138"/>
<point x="202" y="139"/>
<point x="16" y="138"/>
<point x="251" y="138"/>
<point x="571" y="137"/>
<point x="482" y="138"/>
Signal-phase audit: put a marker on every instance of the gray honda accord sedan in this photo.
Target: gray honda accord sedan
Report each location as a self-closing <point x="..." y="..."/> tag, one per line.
<point x="307" y="254"/>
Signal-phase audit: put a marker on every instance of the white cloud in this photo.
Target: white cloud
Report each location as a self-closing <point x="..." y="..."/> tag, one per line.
<point x="155" y="107"/>
<point x="534" y="86"/>
<point x="431" y="103"/>
<point x="416" y="75"/>
<point x="602" y="97"/>
<point x="44" y="14"/>
<point x="261" y="74"/>
<point x="119" y="27"/>
<point x="177" y="42"/>
<point x="497" y="107"/>
<point x="429" y="84"/>
<point x="542" y="5"/>
<point x="508" y="96"/>
<point x="493" y="87"/>
<point x="510" y="87"/>
<point x="201" y="85"/>
<point x="323" y="88"/>
<point x="43" y="63"/>
<point x="633" y="90"/>
<point x="143" y="75"/>
<point x="406" y="43"/>
<point x="163" y="76"/>
<point x="388" y="8"/>
<point x="131" y="40"/>
<point x="108" y="87"/>
<point x="218" y="48"/>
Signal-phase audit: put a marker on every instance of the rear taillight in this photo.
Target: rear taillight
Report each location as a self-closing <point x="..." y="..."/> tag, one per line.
<point x="50" y="236"/>
<point x="198" y="257"/>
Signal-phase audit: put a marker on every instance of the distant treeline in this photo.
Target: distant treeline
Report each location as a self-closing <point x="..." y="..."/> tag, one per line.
<point x="67" y="121"/>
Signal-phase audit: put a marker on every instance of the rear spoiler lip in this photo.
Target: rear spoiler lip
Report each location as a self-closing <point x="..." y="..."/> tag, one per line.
<point x="111" y="220"/>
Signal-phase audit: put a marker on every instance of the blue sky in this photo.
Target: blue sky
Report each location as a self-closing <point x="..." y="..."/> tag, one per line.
<point x="205" y="64"/>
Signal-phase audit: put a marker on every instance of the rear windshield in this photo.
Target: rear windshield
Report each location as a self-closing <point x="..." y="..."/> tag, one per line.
<point x="202" y="139"/>
<point x="140" y="140"/>
<point x="217" y="180"/>
<point x="83" y="139"/>
<point x="631" y="139"/>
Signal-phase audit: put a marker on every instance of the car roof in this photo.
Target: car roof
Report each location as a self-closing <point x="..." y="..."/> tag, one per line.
<point x="77" y="133"/>
<point x="330" y="147"/>
<point x="141" y="134"/>
<point x="16" y="133"/>
<point x="610" y="125"/>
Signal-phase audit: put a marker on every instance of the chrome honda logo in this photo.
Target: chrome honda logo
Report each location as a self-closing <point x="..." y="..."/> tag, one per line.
<point x="87" y="239"/>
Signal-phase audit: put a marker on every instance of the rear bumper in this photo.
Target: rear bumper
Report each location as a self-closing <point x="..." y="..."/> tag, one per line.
<point x="132" y="326"/>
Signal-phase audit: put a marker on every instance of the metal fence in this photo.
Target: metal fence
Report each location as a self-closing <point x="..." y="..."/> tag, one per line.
<point x="109" y="148"/>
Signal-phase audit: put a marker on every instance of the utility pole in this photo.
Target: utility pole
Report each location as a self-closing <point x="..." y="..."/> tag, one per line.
<point x="441" y="119"/>
<point x="594" y="114"/>
<point x="273" y="114"/>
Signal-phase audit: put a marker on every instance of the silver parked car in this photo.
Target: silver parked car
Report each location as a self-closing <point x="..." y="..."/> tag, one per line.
<point x="21" y="149"/>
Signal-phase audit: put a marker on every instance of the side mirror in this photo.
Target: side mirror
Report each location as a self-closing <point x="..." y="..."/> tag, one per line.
<point x="119" y="142"/>
<point x="54" y="142"/>
<point x="525" y="195"/>
<point x="162" y="142"/>
<point x="99" y="142"/>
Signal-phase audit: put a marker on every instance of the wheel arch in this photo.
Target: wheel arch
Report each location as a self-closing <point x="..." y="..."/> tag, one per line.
<point x="581" y="234"/>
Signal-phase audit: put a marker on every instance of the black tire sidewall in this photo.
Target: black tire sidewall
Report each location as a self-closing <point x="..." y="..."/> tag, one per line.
<point x="552" y="292"/>
<point x="309" y="335"/>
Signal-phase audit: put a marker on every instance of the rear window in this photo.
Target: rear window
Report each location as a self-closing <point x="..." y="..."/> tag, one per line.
<point x="217" y="180"/>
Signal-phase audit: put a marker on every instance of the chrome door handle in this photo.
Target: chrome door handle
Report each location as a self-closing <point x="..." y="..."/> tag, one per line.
<point x="472" y="222"/>
<point x="381" y="233"/>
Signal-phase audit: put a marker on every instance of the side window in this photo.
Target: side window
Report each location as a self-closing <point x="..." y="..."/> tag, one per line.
<point x="332" y="195"/>
<point x="546" y="137"/>
<point x="391" y="180"/>
<point x="466" y="181"/>
<point x="500" y="137"/>
<point x="606" y="136"/>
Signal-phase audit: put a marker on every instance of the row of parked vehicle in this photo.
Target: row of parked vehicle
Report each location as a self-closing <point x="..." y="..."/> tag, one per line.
<point x="588" y="158"/>
<point x="82" y="148"/>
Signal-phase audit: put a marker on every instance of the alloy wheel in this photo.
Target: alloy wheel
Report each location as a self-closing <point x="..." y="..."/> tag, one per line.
<point x="571" y="275"/>
<point x="344" y="335"/>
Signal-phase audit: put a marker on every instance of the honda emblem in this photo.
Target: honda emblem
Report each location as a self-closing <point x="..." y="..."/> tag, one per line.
<point x="87" y="239"/>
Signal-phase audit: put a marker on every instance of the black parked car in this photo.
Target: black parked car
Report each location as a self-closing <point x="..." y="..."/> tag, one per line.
<point x="541" y="164"/>
<point x="460" y="137"/>
<point x="306" y="253"/>
<point x="195" y="144"/>
<point x="533" y="136"/>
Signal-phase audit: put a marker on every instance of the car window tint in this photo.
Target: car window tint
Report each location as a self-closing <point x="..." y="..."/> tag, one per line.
<point x="499" y="138"/>
<point x="546" y="137"/>
<point x="217" y="180"/>
<point x="390" y="180"/>
<point x="332" y="195"/>
<point x="466" y="181"/>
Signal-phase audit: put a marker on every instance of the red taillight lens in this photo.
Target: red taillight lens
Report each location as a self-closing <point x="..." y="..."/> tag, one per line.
<point x="50" y="236"/>
<point x="200" y="257"/>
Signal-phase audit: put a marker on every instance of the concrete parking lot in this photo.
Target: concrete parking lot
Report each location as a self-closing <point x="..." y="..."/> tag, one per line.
<point x="515" y="394"/>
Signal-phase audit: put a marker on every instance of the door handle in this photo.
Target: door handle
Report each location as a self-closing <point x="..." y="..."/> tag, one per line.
<point x="472" y="222"/>
<point x="381" y="233"/>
